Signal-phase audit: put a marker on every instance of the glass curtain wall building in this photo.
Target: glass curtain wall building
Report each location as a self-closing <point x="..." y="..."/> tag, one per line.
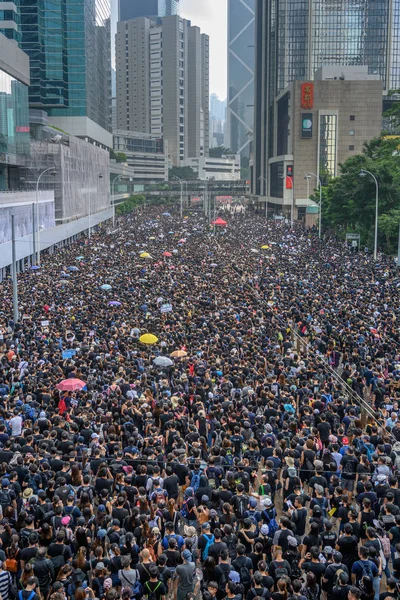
<point x="131" y="9"/>
<point x="296" y="37"/>
<point x="9" y="20"/>
<point x="241" y="40"/>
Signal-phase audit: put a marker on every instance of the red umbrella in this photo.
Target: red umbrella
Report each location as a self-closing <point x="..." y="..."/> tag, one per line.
<point x="220" y="222"/>
<point x="167" y="254"/>
<point x="71" y="385"/>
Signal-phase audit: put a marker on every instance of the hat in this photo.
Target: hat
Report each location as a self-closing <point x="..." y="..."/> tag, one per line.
<point x="101" y="508"/>
<point x="234" y="576"/>
<point x="328" y="550"/>
<point x="292" y="541"/>
<point x="337" y="555"/>
<point x="128" y="469"/>
<point x="101" y="534"/>
<point x="189" y="531"/>
<point x="264" y="530"/>
<point x="107" y="583"/>
<point x="5" y="482"/>
<point x="156" y="530"/>
<point x="100" y="565"/>
<point x="78" y="575"/>
<point x="253" y="502"/>
<point x="381" y="477"/>
<point x="27" y="493"/>
<point x="213" y="513"/>
<point x="205" y="498"/>
<point x="65" y="521"/>
<point x="266" y="501"/>
<point x="205" y="525"/>
<point x="318" y="488"/>
<point x="94" y="435"/>
<point x="345" y="441"/>
<point x="187" y="555"/>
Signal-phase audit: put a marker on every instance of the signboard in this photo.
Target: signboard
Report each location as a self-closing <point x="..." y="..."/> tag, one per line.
<point x="306" y="125"/>
<point x="20" y="129"/>
<point x="166" y="308"/>
<point x="68" y="354"/>
<point x="289" y="182"/>
<point x="307" y="95"/>
<point x="45" y="323"/>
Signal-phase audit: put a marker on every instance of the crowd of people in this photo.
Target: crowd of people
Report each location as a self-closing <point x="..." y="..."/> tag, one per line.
<point x="249" y="450"/>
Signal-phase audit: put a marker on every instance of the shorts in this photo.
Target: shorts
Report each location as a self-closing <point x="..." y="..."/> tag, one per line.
<point x="348" y="484"/>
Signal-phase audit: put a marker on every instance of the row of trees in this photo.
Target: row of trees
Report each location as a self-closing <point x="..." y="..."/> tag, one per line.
<point x="348" y="202"/>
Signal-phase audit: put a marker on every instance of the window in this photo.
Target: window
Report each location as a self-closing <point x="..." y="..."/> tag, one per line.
<point x="351" y="147"/>
<point x="352" y="132"/>
<point x="352" y="117"/>
<point x="327" y="147"/>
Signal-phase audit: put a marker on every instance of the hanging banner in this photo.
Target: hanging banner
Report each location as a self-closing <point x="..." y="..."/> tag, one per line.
<point x="307" y="95"/>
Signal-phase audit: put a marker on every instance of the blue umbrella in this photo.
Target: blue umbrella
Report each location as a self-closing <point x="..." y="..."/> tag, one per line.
<point x="166" y="214"/>
<point x="35" y="267"/>
<point x="170" y="232"/>
<point x="143" y="307"/>
<point x="65" y="275"/>
<point x="106" y="286"/>
<point x="73" y="268"/>
<point x="79" y="258"/>
<point x="114" y="303"/>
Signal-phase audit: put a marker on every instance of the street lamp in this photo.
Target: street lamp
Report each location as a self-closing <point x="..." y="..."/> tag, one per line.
<point x="53" y="172"/>
<point x="100" y="176"/>
<point x="320" y="202"/>
<point x="363" y="173"/>
<point x="266" y="201"/>
<point x="112" y="196"/>
<point x="181" y="182"/>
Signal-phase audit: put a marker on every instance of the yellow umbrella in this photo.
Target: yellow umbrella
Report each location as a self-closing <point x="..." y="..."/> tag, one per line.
<point x="152" y="237"/>
<point x="148" y="338"/>
<point x="179" y="354"/>
<point x="145" y="255"/>
<point x="265" y="247"/>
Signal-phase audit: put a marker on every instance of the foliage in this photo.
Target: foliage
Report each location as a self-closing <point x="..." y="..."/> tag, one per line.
<point x="394" y="111"/>
<point x="219" y="152"/>
<point x="185" y="173"/>
<point x="120" y="157"/>
<point x="130" y="204"/>
<point x="348" y="203"/>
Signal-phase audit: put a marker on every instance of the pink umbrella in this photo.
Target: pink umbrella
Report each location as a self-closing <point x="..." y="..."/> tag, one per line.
<point x="71" y="385"/>
<point x="167" y="254"/>
<point x="182" y="241"/>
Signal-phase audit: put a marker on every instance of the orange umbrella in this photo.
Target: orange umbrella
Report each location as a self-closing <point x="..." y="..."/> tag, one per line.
<point x="167" y="254"/>
<point x="179" y="354"/>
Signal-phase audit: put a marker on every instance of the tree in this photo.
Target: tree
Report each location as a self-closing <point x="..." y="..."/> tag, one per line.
<point x="393" y="113"/>
<point x="185" y="173"/>
<point x="349" y="200"/>
<point x="219" y="152"/>
<point x="130" y="204"/>
<point x="120" y="157"/>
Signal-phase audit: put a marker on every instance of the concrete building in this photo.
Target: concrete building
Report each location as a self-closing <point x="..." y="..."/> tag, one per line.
<point x="163" y="83"/>
<point x="226" y="168"/>
<point x="146" y="154"/>
<point x="296" y="37"/>
<point x="131" y="9"/>
<point x="240" y="110"/>
<point x="317" y="126"/>
<point x="68" y="43"/>
<point x="14" y="109"/>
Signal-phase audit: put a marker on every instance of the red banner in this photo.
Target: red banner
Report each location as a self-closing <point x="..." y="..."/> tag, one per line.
<point x="307" y="95"/>
<point x="289" y="182"/>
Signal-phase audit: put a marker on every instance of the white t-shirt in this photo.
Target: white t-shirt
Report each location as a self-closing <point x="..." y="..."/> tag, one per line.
<point x="16" y="425"/>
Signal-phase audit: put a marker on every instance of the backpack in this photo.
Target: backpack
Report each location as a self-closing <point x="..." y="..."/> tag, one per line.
<point x="209" y="541"/>
<point x="5" y="498"/>
<point x="323" y="504"/>
<point x="224" y="580"/>
<point x="195" y="481"/>
<point x="218" y="439"/>
<point x="21" y="597"/>
<point x="231" y="542"/>
<point x="336" y="581"/>
<point x="159" y="495"/>
<point x="184" y="510"/>
<point x="241" y="506"/>
<point x="244" y="574"/>
<point x="272" y="523"/>
<point x="366" y="569"/>
<point x="151" y="594"/>
<point x="385" y="543"/>
<point x="292" y="472"/>
<point x="280" y="572"/>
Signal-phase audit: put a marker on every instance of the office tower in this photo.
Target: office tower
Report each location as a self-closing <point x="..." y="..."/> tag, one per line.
<point x="240" y="111"/>
<point x="9" y="20"/>
<point x="131" y="9"/>
<point x="217" y="121"/>
<point x="217" y="108"/>
<point x="163" y="83"/>
<point x="295" y="37"/>
<point x="68" y="43"/>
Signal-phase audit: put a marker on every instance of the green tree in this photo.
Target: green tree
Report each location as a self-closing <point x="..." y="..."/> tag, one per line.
<point x="185" y="173"/>
<point x="120" y="157"/>
<point x="129" y="205"/>
<point x="219" y="151"/>
<point x="349" y="200"/>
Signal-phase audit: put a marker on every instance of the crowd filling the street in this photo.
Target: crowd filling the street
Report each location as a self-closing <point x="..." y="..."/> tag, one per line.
<point x="191" y="412"/>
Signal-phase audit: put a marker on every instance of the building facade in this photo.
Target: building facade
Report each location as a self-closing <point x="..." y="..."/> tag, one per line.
<point x="226" y="168"/>
<point x="163" y="83"/>
<point x="131" y="9"/>
<point x="14" y="109"/>
<point x="147" y="154"/>
<point x="294" y="38"/>
<point x="241" y="59"/>
<point x="68" y="43"/>
<point x="317" y="126"/>
<point x="10" y="20"/>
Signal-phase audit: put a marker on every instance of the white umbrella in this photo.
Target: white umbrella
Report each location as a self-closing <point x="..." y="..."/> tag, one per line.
<point x="163" y="361"/>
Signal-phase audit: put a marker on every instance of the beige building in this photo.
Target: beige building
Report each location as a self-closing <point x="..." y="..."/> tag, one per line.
<point x="317" y="126"/>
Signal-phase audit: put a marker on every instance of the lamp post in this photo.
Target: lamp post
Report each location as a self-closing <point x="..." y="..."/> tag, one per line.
<point x="100" y="176"/>
<point x="320" y="202"/>
<point x="112" y="196"/>
<point x="266" y="201"/>
<point x="363" y="173"/>
<point x="181" y="181"/>
<point x="53" y="172"/>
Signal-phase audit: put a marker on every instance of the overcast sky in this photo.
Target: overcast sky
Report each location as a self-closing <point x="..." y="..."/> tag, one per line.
<point x="211" y="17"/>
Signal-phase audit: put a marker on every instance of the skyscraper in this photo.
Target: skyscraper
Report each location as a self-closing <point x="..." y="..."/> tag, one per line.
<point x="163" y="83"/>
<point x="68" y="43"/>
<point x="241" y="40"/>
<point x="295" y="37"/>
<point x="131" y="9"/>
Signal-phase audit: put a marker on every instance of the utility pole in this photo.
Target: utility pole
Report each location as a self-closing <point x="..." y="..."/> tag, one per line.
<point x="33" y="233"/>
<point x="14" y="273"/>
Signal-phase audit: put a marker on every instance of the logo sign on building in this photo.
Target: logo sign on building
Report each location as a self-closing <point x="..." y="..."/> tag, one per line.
<point x="306" y="125"/>
<point x="20" y="129"/>
<point x="307" y="95"/>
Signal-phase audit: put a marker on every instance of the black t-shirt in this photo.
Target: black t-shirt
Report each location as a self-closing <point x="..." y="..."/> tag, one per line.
<point x="317" y="568"/>
<point x="171" y="485"/>
<point x="324" y="429"/>
<point x="28" y="553"/>
<point x="340" y="592"/>
<point x="349" y="467"/>
<point x="348" y="547"/>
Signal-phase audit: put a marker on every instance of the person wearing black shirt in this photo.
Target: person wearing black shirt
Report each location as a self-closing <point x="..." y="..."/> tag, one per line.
<point x="347" y="545"/>
<point x="324" y="429"/>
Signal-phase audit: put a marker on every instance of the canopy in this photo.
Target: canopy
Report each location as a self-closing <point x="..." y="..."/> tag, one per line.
<point x="148" y="338"/>
<point x="114" y="303"/>
<point x="106" y="286"/>
<point x="145" y="255"/>
<point x="71" y="385"/>
<point x="220" y="222"/>
<point x="179" y="354"/>
<point x="163" y="361"/>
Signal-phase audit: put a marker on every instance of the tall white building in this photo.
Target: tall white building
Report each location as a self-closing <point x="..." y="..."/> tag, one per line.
<point x="163" y="83"/>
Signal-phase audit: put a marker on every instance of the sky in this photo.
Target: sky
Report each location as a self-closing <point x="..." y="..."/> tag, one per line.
<point x="211" y="17"/>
